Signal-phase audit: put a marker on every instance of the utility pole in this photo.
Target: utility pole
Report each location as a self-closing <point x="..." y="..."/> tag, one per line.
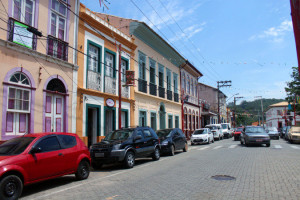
<point x="221" y="84"/>
<point x="262" y="109"/>
<point x="120" y="89"/>
<point x="234" y="101"/>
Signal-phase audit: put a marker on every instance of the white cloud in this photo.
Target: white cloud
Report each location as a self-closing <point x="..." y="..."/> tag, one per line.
<point x="275" y="34"/>
<point x="188" y="32"/>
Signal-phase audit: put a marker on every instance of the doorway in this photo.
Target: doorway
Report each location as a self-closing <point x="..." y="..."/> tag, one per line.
<point x="92" y="123"/>
<point x="110" y="120"/>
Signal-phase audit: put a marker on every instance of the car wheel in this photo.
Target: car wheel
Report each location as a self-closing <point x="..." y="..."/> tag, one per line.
<point x="185" y="149"/>
<point x="242" y="142"/>
<point x="96" y="165"/>
<point x="192" y="143"/>
<point x="11" y="187"/>
<point x="213" y="140"/>
<point x="129" y="160"/>
<point x="156" y="154"/>
<point x="208" y="141"/>
<point x="83" y="170"/>
<point x="291" y="141"/>
<point x="172" y="152"/>
<point x="268" y="145"/>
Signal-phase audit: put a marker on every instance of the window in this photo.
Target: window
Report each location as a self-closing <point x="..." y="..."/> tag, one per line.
<point x="188" y="85"/>
<point x="93" y="59"/>
<point x="49" y="144"/>
<point x="18" y="106"/>
<point x="192" y="88"/>
<point x="142" y="118"/>
<point x="124" y="67"/>
<point x="184" y="83"/>
<point x="58" y="19"/>
<point x="161" y="76"/>
<point x="139" y="132"/>
<point x="175" y="82"/>
<point x="142" y="66"/>
<point x="153" y="121"/>
<point x="147" y="134"/>
<point x="168" y="80"/>
<point x="109" y="64"/>
<point x="176" y="121"/>
<point x="196" y="89"/>
<point x="152" y="71"/>
<point x="67" y="141"/>
<point x="170" y="121"/>
<point x="23" y="10"/>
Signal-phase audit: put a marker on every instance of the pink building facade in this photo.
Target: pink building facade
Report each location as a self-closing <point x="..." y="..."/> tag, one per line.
<point x="38" y="74"/>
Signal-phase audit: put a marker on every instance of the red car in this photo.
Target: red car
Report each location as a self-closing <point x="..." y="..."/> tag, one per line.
<point x="237" y="133"/>
<point x="37" y="157"/>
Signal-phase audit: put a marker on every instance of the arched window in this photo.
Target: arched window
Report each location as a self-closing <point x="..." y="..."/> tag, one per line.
<point x="18" y="104"/>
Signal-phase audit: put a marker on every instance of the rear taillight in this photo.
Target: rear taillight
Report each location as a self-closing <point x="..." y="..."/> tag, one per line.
<point x="158" y="141"/>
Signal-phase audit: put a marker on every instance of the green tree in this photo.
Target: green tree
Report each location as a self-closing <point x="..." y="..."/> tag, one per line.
<point x="293" y="88"/>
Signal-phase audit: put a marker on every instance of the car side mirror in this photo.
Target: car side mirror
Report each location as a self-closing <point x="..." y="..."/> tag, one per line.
<point x="35" y="150"/>
<point x="138" y="137"/>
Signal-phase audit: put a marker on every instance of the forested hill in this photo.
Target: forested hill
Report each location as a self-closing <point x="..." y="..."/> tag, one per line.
<point x="248" y="111"/>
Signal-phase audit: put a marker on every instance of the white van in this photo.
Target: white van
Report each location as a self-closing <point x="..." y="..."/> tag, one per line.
<point x="227" y="130"/>
<point x="216" y="129"/>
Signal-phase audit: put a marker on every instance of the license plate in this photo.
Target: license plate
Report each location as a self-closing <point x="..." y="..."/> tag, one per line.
<point x="259" y="140"/>
<point x="99" y="155"/>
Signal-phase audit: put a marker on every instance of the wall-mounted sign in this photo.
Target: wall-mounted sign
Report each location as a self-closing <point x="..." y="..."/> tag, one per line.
<point x="22" y="36"/>
<point x="110" y="102"/>
<point x="130" y="78"/>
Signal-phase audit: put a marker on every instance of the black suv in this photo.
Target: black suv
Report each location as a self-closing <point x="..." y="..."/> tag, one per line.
<point x="124" y="146"/>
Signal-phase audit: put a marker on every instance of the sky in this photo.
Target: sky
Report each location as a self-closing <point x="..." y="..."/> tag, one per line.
<point x="250" y="42"/>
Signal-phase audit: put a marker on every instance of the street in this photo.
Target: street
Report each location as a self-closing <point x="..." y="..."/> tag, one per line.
<point x="259" y="172"/>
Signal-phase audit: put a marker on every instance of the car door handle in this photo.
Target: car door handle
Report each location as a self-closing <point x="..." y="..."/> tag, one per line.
<point x="60" y="154"/>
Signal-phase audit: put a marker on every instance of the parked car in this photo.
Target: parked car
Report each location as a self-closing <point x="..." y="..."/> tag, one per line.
<point x="172" y="140"/>
<point x="37" y="157"/>
<point x="216" y="130"/>
<point x="202" y="136"/>
<point x="237" y="133"/>
<point x="125" y="145"/>
<point x="226" y="129"/>
<point x="255" y="135"/>
<point x="294" y="134"/>
<point x="282" y="131"/>
<point x="286" y="135"/>
<point x="273" y="132"/>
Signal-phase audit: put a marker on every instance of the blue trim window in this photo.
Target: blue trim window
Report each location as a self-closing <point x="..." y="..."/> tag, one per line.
<point x="169" y="79"/>
<point x="142" y="66"/>
<point x="161" y="76"/>
<point x="142" y="118"/>
<point x="170" y="121"/>
<point x="175" y="82"/>
<point x="152" y="64"/>
<point x="176" y="121"/>
<point x="124" y="67"/>
<point x="153" y="120"/>
<point x="110" y="64"/>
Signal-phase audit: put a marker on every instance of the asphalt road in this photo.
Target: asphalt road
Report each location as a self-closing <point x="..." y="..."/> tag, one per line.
<point x="259" y="172"/>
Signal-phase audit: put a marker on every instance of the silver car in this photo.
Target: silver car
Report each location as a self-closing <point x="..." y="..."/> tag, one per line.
<point x="255" y="135"/>
<point x="273" y="132"/>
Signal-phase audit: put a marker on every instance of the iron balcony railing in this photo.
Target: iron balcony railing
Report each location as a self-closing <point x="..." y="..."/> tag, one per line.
<point x="19" y="34"/>
<point x="94" y="80"/>
<point x="169" y="95"/>
<point x="110" y="85"/>
<point x="125" y="91"/>
<point x="57" y="48"/>
<point x="153" y="89"/>
<point x="161" y="92"/>
<point x="142" y="85"/>
<point x="176" y="97"/>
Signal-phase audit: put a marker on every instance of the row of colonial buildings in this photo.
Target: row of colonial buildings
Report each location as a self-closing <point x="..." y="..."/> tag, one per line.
<point x="60" y="73"/>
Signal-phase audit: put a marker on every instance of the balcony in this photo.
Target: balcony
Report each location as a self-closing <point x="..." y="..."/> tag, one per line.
<point x="161" y="92"/>
<point x="142" y="85"/>
<point x="94" y="80"/>
<point x="169" y="95"/>
<point x="57" y="48"/>
<point x="193" y="100"/>
<point x="18" y="34"/>
<point x="110" y="85"/>
<point x="125" y="91"/>
<point x="176" y="97"/>
<point x="153" y="89"/>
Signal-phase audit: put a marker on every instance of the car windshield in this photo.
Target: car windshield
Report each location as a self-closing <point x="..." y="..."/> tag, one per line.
<point x="211" y="127"/>
<point x="239" y="129"/>
<point x="272" y="128"/>
<point x="199" y="132"/>
<point x="254" y="130"/>
<point x="224" y="126"/>
<point x="119" y="135"/>
<point x="15" y="146"/>
<point x="164" y="133"/>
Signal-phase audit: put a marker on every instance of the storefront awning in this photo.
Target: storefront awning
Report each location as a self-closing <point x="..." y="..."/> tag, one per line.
<point x="209" y="114"/>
